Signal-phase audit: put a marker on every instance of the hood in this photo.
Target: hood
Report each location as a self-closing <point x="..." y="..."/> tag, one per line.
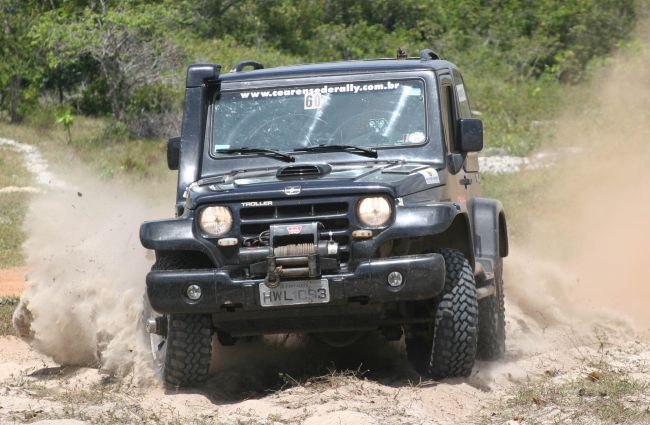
<point x="396" y="179"/>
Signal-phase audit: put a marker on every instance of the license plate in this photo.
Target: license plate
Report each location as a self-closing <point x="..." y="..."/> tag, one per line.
<point x="295" y="292"/>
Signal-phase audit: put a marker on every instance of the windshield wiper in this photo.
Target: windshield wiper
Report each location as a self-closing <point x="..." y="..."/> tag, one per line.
<point x="340" y="148"/>
<point x="274" y="154"/>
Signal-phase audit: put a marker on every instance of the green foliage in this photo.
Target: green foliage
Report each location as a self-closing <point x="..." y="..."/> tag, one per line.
<point x="66" y="119"/>
<point x="128" y="58"/>
<point x="41" y="117"/>
<point x="153" y="111"/>
<point x="20" y="67"/>
<point x="126" y="40"/>
<point x="228" y="52"/>
<point x="114" y="131"/>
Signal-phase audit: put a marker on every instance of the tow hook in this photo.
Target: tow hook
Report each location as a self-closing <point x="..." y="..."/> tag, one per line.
<point x="273" y="277"/>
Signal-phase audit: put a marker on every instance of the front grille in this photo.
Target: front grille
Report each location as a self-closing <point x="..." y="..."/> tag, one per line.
<point x="333" y="215"/>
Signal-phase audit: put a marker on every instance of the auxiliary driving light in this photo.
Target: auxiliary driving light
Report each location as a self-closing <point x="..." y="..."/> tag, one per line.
<point x="362" y="234"/>
<point x="227" y="242"/>
<point x="193" y="292"/>
<point x="395" y="279"/>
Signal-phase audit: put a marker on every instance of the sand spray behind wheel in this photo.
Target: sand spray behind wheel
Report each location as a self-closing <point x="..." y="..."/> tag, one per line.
<point x="86" y="271"/>
<point x="584" y="258"/>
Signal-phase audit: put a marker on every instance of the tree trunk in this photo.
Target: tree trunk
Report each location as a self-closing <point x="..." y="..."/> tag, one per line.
<point x="115" y="103"/>
<point x="113" y="81"/>
<point x="14" y="92"/>
<point x="59" y="86"/>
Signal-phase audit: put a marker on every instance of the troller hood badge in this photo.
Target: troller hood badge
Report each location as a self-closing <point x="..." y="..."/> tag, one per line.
<point x="292" y="190"/>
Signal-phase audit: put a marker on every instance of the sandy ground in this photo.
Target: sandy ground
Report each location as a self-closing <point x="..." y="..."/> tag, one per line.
<point x="279" y="381"/>
<point x="12" y="281"/>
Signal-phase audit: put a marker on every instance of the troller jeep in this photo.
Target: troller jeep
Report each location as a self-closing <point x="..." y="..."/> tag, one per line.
<point x="330" y="199"/>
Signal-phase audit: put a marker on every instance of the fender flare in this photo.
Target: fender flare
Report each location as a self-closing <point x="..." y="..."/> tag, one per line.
<point x="490" y="229"/>
<point x="176" y="235"/>
<point x="443" y="219"/>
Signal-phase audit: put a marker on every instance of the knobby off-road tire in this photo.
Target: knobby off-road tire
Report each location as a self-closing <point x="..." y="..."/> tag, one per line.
<point x="449" y="348"/>
<point x="189" y="349"/>
<point x="492" y="320"/>
<point x="184" y="353"/>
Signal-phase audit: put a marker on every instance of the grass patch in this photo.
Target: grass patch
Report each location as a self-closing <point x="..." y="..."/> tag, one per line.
<point x="109" y="401"/>
<point x="95" y="142"/>
<point x="108" y="156"/>
<point x="13" y="206"/>
<point x="603" y="395"/>
<point x="517" y="192"/>
<point x="606" y="387"/>
<point x="7" y="307"/>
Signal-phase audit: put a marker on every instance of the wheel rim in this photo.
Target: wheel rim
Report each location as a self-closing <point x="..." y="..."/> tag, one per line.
<point x="157" y="343"/>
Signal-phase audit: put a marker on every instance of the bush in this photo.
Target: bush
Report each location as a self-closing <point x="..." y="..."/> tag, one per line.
<point x="93" y="98"/>
<point x="42" y="117"/>
<point x="115" y="131"/>
<point x="154" y="111"/>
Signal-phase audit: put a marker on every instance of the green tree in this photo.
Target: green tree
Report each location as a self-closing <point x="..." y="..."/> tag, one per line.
<point x="20" y="66"/>
<point x="127" y="40"/>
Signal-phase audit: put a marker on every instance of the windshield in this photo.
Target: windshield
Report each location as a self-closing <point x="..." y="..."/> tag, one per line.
<point x="369" y="114"/>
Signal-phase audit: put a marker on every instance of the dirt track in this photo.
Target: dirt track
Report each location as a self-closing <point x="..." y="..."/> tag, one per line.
<point x="12" y="281"/>
<point x="255" y="384"/>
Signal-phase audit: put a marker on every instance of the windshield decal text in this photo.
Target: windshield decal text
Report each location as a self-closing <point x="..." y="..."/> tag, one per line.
<point x="325" y="89"/>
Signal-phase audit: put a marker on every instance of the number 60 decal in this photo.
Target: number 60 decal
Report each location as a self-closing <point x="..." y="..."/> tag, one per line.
<point x="313" y="100"/>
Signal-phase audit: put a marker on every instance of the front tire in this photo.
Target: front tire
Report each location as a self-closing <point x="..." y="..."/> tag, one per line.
<point x="183" y="353"/>
<point x="189" y="349"/>
<point x="448" y="346"/>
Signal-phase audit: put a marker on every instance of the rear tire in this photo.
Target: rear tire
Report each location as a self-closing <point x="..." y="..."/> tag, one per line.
<point x="184" y="353"/>
<point x="448" y="347"/>
<point x="492" y="320"/>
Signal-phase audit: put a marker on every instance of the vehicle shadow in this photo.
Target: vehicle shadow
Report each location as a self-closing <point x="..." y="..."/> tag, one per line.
<point x="258" y="367"/>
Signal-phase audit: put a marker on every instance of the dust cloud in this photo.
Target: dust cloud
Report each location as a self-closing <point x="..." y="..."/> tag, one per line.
<point x="86" y="268"/>
<point x="583" y="258"/>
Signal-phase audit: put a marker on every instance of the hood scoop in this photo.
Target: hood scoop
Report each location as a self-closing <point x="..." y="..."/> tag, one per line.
<point x="303" y="171"/>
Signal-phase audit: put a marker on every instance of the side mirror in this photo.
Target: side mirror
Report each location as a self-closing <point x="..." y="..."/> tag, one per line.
<point x="470" y="135"/>
<point x="173" y="153"/>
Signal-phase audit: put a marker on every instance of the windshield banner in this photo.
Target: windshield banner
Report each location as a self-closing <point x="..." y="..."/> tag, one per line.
<point x="325" y="89"/>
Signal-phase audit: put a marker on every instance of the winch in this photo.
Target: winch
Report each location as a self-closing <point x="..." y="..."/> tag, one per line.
<point x="295" y="250"/>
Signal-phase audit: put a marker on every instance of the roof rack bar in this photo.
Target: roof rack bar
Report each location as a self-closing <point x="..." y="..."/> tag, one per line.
<point x="243" y="64"/>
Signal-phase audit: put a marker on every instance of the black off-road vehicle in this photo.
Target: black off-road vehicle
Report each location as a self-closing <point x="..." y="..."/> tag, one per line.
<point x="330" y="199"/>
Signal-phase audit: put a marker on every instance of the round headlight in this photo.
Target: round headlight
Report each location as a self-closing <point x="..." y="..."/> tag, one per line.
<point x="374" y="211"/>
<point x="215" y="221"/>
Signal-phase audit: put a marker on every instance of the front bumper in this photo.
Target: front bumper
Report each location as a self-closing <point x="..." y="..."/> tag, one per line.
<point x="424" y="278"/>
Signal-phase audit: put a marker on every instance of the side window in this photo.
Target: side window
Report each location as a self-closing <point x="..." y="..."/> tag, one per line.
<point x="448" y="111"/>
<point x="461" y="94"/>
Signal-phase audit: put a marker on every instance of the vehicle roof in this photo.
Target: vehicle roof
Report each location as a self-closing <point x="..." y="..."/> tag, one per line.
<point x="338" y="68"/>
